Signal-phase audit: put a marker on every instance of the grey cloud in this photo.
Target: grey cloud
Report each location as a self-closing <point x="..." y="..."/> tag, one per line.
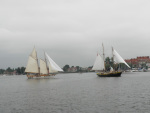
<point x="72" y="31"/>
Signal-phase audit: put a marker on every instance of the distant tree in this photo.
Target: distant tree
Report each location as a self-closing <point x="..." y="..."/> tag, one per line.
<point x="2" y="71"/>
<point x="78" y="68"/>
<point x="107" y="67"/>
<point x="22" y="69"/>
<point x="9" y="69"/>
<point x="66" y="67"/>
<point x="107" y="63"/>
<point x="18" y="70"/>
<point x="107" y="60"/>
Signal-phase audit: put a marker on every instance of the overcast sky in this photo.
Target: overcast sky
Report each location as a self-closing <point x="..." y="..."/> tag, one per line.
<point x="72" y="31"/>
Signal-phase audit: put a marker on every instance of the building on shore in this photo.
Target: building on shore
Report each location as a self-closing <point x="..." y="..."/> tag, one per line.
<point x="139" y="62"/>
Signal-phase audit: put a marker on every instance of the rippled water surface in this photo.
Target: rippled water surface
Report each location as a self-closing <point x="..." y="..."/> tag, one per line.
<point x="76" y="93"/>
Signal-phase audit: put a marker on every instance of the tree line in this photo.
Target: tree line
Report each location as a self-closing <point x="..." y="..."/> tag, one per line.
<point x="19" y="70"/>
<point x="108" y="63"/>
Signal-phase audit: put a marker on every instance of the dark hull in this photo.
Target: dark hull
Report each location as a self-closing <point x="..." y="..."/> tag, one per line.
<point x="110" y="74"/>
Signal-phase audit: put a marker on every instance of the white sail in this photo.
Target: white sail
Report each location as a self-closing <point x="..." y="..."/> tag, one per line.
<point x="32" y="65"/>
<point x="118" y="58"/>
<point x="34" y="54"/>
<point x="53" y="67"/>
<point x="43" y="67"/>
<point x="99" y="63"/>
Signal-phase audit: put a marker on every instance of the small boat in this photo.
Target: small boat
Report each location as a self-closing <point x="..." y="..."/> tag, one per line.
<point x="99" y="65"/>
<point x="134" y="70"/>
<point x="47" y="66"/>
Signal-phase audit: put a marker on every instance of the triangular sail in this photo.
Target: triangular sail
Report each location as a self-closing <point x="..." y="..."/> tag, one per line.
<point x="32" y="65"/>
<point x="43" y="67"/>
<point x="34" y="54"/>
<point x="53" y="67"/>
<point x="99" y="63"/>
<point x="118" y="58"/>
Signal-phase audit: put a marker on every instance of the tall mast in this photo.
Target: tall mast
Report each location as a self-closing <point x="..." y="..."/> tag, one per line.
<point x="113" y="57"/>
<point x="103" y="56"/>
<point x="46" y="63"/>
<point x="38" y="63"/>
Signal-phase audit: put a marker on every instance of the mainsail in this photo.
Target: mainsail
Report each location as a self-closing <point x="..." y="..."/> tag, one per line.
<point x="43" y="67"/>
<point x="53" y="67"/>
<point x="118" y="58"/>
<point x="32" y="65"/>
<point x="99" y="63"/>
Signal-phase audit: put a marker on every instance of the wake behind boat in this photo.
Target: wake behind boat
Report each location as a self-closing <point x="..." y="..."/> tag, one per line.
<point x="47" y="66"/>
<point x="99" y="65"/>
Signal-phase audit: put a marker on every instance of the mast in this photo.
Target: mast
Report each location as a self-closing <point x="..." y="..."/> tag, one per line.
<point x="113" y="58"/>
<point x="46" y="63"/>
<point x="34" y="54"/>
<point x="37" y="62"/>
<point x="38" y="66"/>
<point x="103" y="57"/>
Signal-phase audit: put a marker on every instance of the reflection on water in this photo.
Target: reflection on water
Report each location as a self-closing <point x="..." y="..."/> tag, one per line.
<point x="76" y="93"/>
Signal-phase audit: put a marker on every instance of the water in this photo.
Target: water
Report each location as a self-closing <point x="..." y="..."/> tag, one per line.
<point x="76" y="93"/>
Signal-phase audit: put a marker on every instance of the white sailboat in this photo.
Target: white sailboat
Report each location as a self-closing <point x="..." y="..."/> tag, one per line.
<point x="99" y="65"/>
<point x="47" y="67"/>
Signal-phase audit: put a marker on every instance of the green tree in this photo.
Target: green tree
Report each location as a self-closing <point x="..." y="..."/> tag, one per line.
<point x="2" y="71"/>
<point x="18" y="70"/>
<point x="107" y="63"/>
<point x="107" y="60"/>
<point x="9" y="69"/>
<point x="22" y="70"/>
<point x="66" y="67"/>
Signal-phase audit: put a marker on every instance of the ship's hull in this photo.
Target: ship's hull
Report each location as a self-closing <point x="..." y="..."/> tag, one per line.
<point x="39" y="76"/>
<point x="110" y="74"/>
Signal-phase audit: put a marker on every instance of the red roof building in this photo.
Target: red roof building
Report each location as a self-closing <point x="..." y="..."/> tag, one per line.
<point x="139" y="60"/>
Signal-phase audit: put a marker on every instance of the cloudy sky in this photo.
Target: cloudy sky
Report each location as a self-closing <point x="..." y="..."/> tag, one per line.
<point x="72" y="31"/>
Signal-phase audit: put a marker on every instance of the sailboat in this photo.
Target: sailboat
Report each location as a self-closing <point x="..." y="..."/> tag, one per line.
<point x="47" y="66"/>
<point x="99" y="65"/>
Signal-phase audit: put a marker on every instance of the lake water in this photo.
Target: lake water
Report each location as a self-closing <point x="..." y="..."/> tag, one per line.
<point x="76" y="93"/>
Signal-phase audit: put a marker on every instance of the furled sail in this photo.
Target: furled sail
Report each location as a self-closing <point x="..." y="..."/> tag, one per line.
<point x="118" y="58"/>
<point x="32" y="65"/>
<point x="43" y="67"/>
<point x="53" y="67"/>
<point x="99" y="63"/>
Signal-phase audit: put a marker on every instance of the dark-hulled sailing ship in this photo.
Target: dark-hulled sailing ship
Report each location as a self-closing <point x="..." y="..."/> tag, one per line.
<point x="99" y="65"/>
